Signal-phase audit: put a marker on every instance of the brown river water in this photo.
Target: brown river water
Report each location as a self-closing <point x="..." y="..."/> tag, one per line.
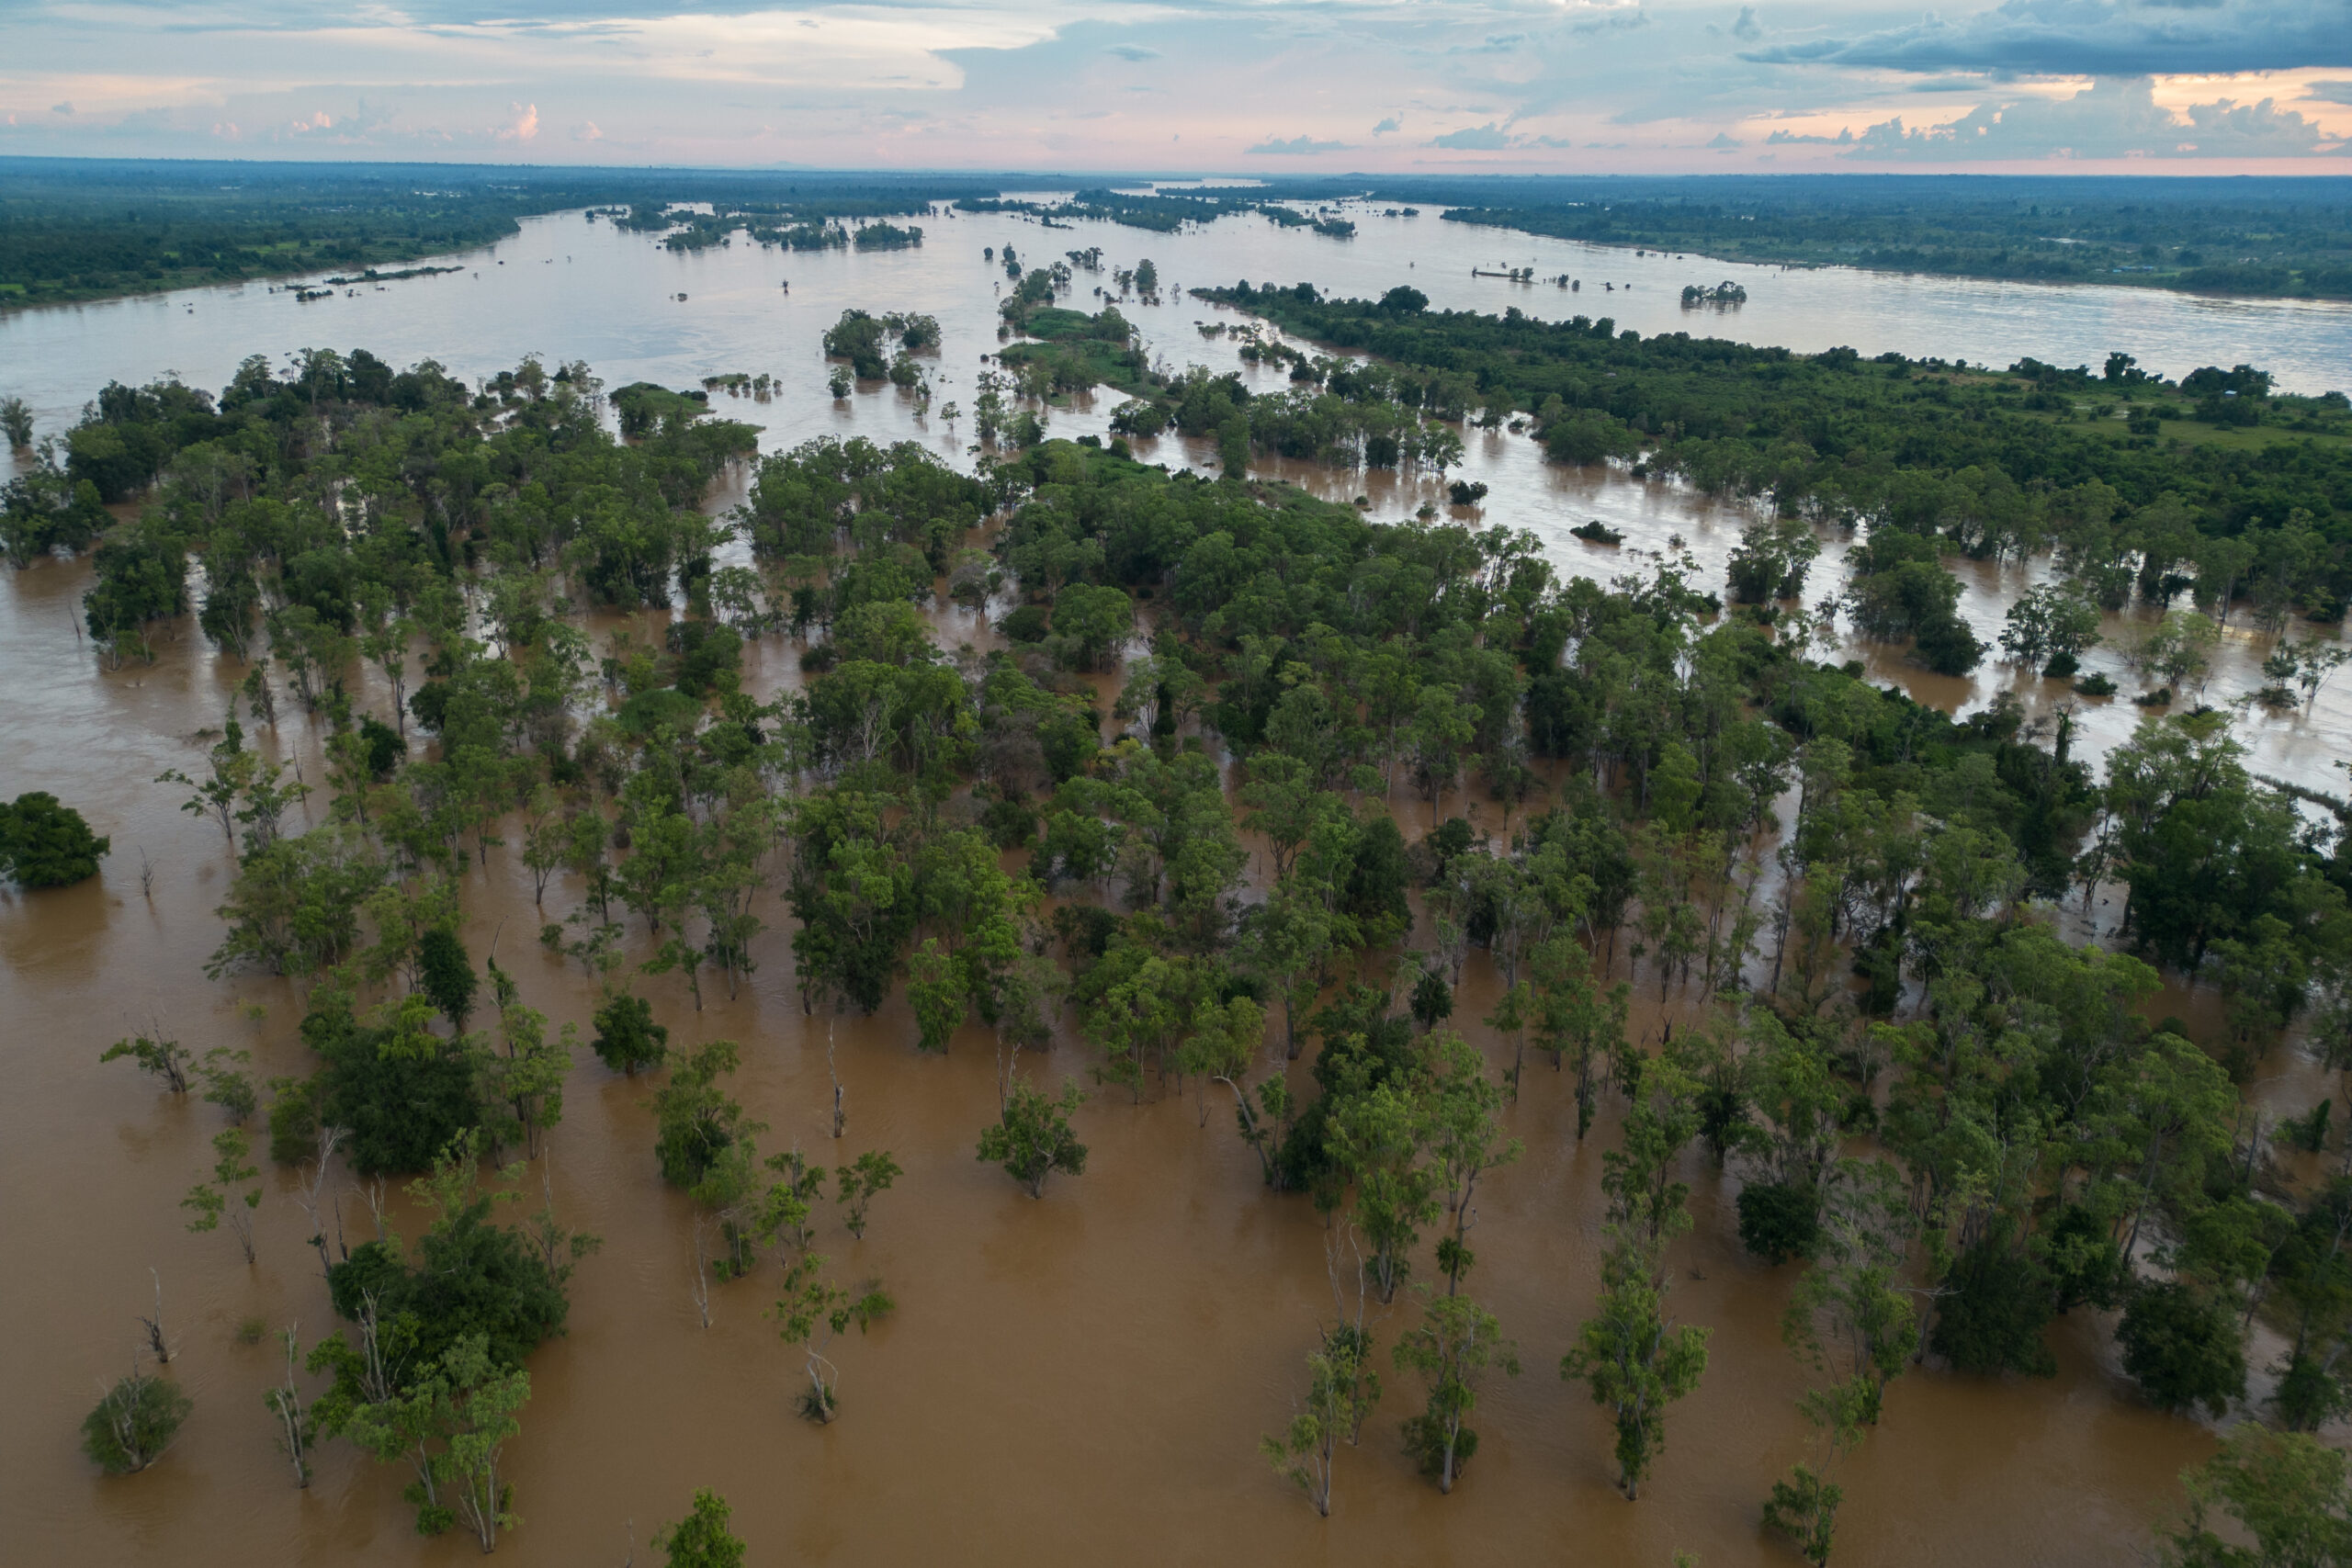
<point x="1078" y="1379"/>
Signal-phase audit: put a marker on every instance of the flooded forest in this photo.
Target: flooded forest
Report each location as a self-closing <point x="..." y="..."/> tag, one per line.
<point x="1143" y="969"/>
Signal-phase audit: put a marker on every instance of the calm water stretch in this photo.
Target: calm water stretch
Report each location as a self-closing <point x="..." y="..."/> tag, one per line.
<point x="1077" y="1380"/>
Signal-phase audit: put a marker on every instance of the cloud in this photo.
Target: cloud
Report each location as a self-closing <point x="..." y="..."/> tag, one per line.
<point x="2108" y="120"/>
<point x="1299" y="145"/>
<point x="1488" y="138"/>
<point x="1798" y="138"/>
<point x="742" y="83"/>
<point x="2099" y="37"/>
<point x="1495" y="137"/>
<point x="1616" y="19"/>
<point x="1725" y="142"/>
<point x="64" y="109"/>
<point x="1495" y="43"/>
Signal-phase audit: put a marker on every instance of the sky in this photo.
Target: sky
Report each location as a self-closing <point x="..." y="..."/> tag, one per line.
<point x="1249" y="86"/>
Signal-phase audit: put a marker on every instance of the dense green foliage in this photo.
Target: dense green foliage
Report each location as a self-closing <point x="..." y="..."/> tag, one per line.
<point x="2182" y="1348"/>
<point x="1987" y="464"/>
<point x="2231" y="235"/>
<point x="1160" y="212"/>
<point x="83" y="228"/>
<point x="336" y="504"/>
<point x="2286" y="1493"/>
<point x="134" y="1422"/>
<point x="45" y="845"/>
<point x="471" y="1276"/>
<point x="701" y="1540"/>
<point x="627" y="1037"/>
<point x="430" y="1374"/>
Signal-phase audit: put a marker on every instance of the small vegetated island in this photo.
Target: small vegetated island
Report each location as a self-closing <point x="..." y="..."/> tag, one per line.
<point x="1951" y="1123"/>
<point x="1718" y="294"/>
<point x="815" y="225"/>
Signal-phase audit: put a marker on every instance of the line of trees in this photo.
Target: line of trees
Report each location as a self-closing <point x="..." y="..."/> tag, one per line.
<point x="1972" y="463"/>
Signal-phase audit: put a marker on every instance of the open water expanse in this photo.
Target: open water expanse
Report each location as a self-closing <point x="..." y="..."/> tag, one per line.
<point x="1081" y="1379"/>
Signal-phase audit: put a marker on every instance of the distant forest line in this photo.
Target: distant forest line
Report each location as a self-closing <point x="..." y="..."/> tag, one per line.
<point x="78" y="230"/>
<point x="2273" y="237"/>
<point x="90" y="228"/>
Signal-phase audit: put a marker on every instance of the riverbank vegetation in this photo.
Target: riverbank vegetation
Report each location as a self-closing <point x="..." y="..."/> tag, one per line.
<point x="74" y="229"/>
<point x="1950" y="1120"/>
<point x="1158" y="212"/>
<point x="1338" y="411"/>
<point x="1930" y="458"/>
<point x="2281" y="237"/>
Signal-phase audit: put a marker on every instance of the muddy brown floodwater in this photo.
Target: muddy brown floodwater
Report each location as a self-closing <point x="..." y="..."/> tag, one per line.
<point x="1082" y="1379"/>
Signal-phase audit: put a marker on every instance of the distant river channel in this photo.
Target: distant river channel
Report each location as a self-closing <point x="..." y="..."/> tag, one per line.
<point x="568" y="288"/>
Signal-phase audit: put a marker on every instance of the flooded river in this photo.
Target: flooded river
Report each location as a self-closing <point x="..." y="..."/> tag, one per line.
<point x="569" y="289"/>
<point x="1080" y="1380"/>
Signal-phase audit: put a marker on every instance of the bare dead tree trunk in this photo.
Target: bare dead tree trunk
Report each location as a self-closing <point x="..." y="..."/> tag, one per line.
<point x="286" y="1404"/>
<point x="240" y="1224"/>
<point x="702" y="1275"/>
<point x="313" y="1189"/>
<point x="841" y="1111"/>
<point x="154" y="1326"/>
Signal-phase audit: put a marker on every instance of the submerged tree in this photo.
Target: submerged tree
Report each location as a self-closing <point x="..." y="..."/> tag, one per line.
<point x="211" y="1200"/>
<point x="1635" y="1359"/>
<point x="1466" y="1141"/>
<point x="701" y="1540"/>
<point x="1452" y="1348"/>
<point x="1379" y="1138"/>
<point x="1032" y="1138"/>
<point x="811" y="1314"/>
<point x="1340" y="1391"/>
<point x="473" y="1412"/>
<point x="626" y="1038"/>
<point x="1851" y="1317"/>
<point x="447" y="1417"/>
<point x="694" y="1118"/>
<point x="1804" y="1507"/>
<point x="166" y="1061"/>
<point x="296" y="1426"/>
<point x="2286" y="1490"/>
<point x="45" y="845"/>
<point x="2182" y="1347"/>
<point x="861" y="1182"/>
<point x="134" y="1422"/>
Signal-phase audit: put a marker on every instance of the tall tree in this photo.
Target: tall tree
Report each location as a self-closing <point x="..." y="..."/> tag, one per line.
<point x="1635" y="1359"/>
<point x="1455" y="1343"/>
